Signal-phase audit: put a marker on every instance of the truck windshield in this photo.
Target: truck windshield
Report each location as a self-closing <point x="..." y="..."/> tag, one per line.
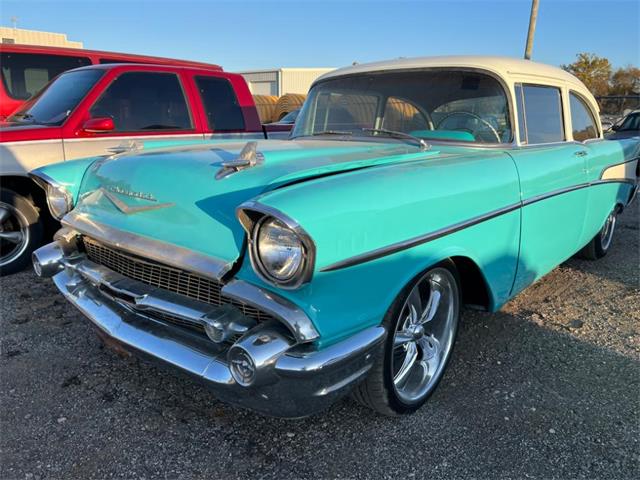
<point x="434" y="104"/>
<point x="53" y="104"/>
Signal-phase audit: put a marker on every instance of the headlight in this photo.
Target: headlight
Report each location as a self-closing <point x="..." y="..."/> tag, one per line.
<point x="279" y="249"/>
<point x="59" y="201"/>
<point x="281" y="253"/>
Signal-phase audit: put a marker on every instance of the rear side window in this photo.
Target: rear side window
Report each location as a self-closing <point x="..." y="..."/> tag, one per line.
<point x="141" y="101"/>
<point x="220" y="104"/>
<point x="24" y="74"/>
<point x="582" y="122"/>
<point x="542" y="114"/>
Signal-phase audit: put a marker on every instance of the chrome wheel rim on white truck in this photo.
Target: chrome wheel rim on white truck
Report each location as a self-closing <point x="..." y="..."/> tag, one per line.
<point x="14" y="233"/>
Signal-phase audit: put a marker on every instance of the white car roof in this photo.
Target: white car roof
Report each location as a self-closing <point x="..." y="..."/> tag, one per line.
<point x="511" y="70"/>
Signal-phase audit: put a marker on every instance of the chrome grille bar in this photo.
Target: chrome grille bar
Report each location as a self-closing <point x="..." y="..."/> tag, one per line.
<point x="165" y="277"/>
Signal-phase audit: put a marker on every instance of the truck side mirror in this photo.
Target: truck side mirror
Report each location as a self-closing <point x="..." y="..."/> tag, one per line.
<point x="99" y="125"/>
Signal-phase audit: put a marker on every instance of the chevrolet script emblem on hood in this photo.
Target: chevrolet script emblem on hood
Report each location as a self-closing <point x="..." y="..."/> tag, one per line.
<point x="128" y="210"/>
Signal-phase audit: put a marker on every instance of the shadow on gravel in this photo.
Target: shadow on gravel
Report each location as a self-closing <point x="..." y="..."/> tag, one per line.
<point x="517" y="400"/>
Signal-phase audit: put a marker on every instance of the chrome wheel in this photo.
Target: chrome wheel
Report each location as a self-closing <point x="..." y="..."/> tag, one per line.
<point x="424" y="335"/>
<point x="606" y="234"/>
<point x="14" y="233"/>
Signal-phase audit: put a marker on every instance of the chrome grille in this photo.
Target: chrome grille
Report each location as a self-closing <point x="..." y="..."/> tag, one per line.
<point x="165" y="277"/>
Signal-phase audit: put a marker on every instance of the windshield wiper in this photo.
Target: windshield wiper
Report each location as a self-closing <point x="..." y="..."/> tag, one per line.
<point x="394" y="134"/>
<point x="332" y="132"/>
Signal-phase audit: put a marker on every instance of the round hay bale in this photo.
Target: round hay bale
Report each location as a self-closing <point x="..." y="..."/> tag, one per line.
<point x="288" y="103"/>
<point x="266" y="106"/>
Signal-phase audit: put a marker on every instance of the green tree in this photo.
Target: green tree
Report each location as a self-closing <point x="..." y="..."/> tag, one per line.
<point x="625" y="81"/>
<point x="594" y="71"/>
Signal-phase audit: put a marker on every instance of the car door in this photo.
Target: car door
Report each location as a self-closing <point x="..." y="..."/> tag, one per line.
<point x="224" y="113"/>
<point x="552" y="180"/>
<point x="602" y="195"/>
<point x="144" y="105"/>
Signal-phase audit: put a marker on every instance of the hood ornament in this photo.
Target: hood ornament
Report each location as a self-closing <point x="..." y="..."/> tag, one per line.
<point x="126" y="209"/>
<point x="247" y="158"/>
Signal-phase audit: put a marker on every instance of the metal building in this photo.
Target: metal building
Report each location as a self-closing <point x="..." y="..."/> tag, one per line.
<point x="34" y="37"/>
<point x="279" y="81"/>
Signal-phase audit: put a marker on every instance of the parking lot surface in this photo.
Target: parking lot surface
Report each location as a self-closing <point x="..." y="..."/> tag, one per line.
<point x="549" y="387"/>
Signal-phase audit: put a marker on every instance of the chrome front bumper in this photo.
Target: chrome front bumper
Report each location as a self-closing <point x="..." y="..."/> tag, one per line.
<point x="293" y="379"/>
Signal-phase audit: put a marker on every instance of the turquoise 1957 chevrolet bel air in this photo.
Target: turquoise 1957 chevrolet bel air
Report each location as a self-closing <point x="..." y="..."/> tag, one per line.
<point x="284" y="274"/>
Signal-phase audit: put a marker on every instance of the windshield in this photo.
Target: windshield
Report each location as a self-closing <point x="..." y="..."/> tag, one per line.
<point x="450" y="105"/>
<point x="631" y="122"/>
<point x="53" y="104"/>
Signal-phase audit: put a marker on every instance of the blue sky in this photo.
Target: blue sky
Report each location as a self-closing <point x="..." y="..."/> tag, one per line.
<point x="244" y="35"/>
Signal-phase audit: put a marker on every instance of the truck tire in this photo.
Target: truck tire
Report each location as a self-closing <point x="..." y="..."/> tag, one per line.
<point x="20" y="231"/>
<point x="429" y="333"/>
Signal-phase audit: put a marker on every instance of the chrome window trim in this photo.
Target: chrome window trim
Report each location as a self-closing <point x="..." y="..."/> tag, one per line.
<point x="505" y="87"/>
<point x="596" y="119"/>
<point x="560" y="89"/>
<point x="249" y="224"/>
<point x="145" y="247"/>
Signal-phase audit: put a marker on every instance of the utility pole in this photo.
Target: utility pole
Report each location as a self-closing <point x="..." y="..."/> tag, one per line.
<point x="532" y="29"/>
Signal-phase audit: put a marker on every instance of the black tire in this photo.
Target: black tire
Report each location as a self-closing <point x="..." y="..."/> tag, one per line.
<point x="377" y="391"/>
<point x="20" y="215"/>
<point x="600" y="244"/>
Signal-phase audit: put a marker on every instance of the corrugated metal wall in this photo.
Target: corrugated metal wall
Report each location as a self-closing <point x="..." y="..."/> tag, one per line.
<point x="299" y="80"/>
<point x="282" y="81"/>
<point x="262" y="83"/>
<point x="34" y="37"/>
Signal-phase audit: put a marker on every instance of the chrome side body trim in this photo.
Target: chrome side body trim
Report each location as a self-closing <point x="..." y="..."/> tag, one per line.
<point x="554" y="193"/>
<point x="414" y="242"/>
<point x="428" y="237"/>
<point x="622" y="170"/>
<point x="145" y="247"/>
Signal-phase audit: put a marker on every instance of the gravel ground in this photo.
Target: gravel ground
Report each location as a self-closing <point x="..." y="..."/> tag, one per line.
<point x="549" y="387"/>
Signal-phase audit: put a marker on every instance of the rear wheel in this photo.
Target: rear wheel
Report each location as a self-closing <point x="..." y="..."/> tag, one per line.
<point x="601" y="243"/>
<point x="422" y="324"/>
<point x="20" y="231"/>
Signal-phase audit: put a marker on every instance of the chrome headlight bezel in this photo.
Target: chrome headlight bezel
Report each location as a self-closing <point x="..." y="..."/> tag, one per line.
<point x="59" y="200"/>
<point x="253" y="217"/>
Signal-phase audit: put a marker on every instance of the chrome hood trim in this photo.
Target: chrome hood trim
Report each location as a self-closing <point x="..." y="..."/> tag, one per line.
<point x="146" y="247"/>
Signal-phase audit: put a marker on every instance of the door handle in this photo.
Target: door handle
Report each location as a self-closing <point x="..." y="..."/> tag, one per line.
<point x="581" y="153"/>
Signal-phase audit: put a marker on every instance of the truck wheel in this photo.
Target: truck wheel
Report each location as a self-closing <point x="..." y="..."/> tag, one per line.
<point x="601" y="243"/>
<point x="422" y="324"/>
<point x="20" y="231"/>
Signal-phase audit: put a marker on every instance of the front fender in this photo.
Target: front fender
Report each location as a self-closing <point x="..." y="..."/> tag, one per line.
<point x="68" y="175"/>
<point x="357" y="213"/>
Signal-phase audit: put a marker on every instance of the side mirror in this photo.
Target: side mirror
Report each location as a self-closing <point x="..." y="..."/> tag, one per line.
<point x="615" y="128"/>
<point x="99" y="125"/>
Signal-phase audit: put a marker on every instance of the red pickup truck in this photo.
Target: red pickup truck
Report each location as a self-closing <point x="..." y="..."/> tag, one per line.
<point x="99" y="110"/>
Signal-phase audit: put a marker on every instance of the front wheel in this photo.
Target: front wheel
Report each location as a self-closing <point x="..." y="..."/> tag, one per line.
<point x="601" y="243"/>
<point x="20" y="231"/>
<point x="422" y="324"/>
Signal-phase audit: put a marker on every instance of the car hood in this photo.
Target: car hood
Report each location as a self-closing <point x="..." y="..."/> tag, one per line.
<point x="172" y="194"/>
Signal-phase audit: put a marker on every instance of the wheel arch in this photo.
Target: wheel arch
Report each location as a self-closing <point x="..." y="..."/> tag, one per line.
<point x="23" y="185"/>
